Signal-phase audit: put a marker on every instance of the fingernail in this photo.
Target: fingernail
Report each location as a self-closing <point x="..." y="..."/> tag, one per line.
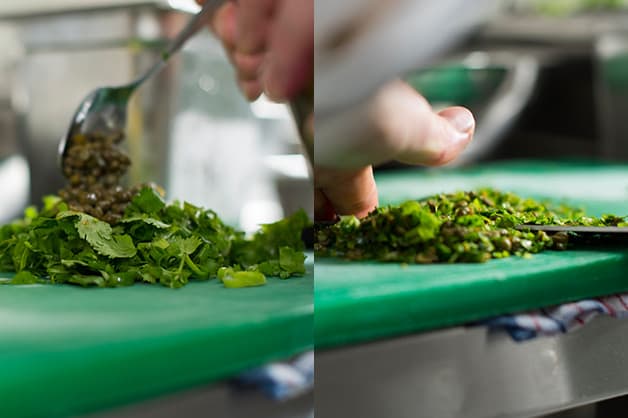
<point x="461" y="119"/>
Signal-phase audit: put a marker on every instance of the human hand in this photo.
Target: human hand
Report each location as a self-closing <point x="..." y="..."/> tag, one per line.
<point x="270" y="43"/>
<point x="396" y="123"/>
<point x="361" y="117"/>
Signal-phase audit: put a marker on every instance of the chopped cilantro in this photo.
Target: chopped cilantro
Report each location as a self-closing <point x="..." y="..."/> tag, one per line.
<point x="234" y="279"/>
<point x="153" y="243"/>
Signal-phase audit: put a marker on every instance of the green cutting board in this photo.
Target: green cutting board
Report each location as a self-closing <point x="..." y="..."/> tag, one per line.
<point x="364" y="301"/>
<point x="65" y="351"/>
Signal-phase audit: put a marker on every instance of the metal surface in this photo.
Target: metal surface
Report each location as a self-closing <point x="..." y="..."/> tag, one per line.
<point x="105" y="109"/>
<point x="495" y="84"/>
<point x="579" y="229"/>
<point x="66" y="55"/>
<point x="18" y="8"/>
<point x="470" y="372"/>
<point x="219" y="401"/>
<point x="504" y="109"/>
<point x="611" y="94"/>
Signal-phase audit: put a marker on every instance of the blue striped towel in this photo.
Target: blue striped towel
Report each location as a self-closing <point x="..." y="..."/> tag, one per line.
<point x="286" y="380"/>
<point x="283" y="380"/>
<point x="561" y="318"/>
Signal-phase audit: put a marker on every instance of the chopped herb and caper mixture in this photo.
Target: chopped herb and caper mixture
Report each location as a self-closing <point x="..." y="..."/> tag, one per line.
<point x="98" y="233"/>
<point x="459" y="227"/>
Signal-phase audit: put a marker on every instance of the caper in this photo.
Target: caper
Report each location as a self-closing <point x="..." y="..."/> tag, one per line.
<point x="488" y="231"/>
<point x="91" y="197"/>
<point x="503" y="244"/>
<point x="94" y="167"/>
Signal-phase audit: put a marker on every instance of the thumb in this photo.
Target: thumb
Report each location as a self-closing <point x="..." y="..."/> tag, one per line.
<point x="396" y="123"/>
<point x="415" y="133"/>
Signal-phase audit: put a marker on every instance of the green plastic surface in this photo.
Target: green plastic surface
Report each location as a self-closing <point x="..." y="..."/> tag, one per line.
<point x="65" y="351"/>
<point x="363" y="301"/>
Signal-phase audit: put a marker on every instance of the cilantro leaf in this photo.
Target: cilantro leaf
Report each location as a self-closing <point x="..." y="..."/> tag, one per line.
<point x="100" y="236"/>
<point x="292" y="262"/>
<point x="153" y="243"/>
<point x="147" y="201"/>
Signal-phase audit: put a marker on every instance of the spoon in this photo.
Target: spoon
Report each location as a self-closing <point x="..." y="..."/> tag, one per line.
<point x="104" y="111"/>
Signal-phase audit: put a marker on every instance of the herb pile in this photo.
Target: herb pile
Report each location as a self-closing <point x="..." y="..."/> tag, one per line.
<point x="459" y="227"/>
<point x="152" y="243"/>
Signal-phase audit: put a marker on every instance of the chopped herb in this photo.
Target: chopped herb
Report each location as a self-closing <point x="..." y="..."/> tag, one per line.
<point x="460" y="227"/>
<point x="152" y="243"/>
<point x="234" y="279"/>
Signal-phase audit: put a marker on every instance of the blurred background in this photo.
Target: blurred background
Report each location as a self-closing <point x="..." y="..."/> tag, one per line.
<point x="189" y="129"/>
<point x="546" y="79"/>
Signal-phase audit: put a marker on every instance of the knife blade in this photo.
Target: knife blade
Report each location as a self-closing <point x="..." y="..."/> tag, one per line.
<point x="578" y="229"/>
<point x="585" y="234"/>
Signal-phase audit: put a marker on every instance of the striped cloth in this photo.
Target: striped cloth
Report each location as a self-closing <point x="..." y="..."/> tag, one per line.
<point x="282" y="380"/>
<point x="561" y="318"/>
<point x="286" y="380"/>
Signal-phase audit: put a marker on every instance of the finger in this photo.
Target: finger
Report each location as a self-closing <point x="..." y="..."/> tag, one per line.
<point x="289" y="65"/>
<point x="251" y="89"/>
<point x="223" y="24"/>
<point x="323" y="210"/>
<point x="351" y="192"/>
<point x="396" y="123"/>
<point x="254" y="19"/>
<point x="247" y="65"/>
<point x="463" y="122"/>
<point x="414" y="132"/>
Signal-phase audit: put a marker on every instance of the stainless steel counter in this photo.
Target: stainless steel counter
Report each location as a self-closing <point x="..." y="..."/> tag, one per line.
<point x="469" y="372"/>
<point x="219" y="401"/>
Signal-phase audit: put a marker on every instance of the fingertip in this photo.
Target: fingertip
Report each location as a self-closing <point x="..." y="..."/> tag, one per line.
<point x="350" y="192"/>
<point x="461" y="126"/>
<point x="429" y="138"/>
<point x="251" y="89"/>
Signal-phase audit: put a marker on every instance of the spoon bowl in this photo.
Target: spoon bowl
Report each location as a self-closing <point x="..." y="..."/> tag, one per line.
<point x="104" y="111"/>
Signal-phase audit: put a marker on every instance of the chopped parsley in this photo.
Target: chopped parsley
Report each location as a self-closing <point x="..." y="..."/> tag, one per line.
<point x="154" y="242"/>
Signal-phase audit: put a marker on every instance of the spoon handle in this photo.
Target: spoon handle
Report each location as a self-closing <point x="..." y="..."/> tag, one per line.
<point x="195" y="23"/>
